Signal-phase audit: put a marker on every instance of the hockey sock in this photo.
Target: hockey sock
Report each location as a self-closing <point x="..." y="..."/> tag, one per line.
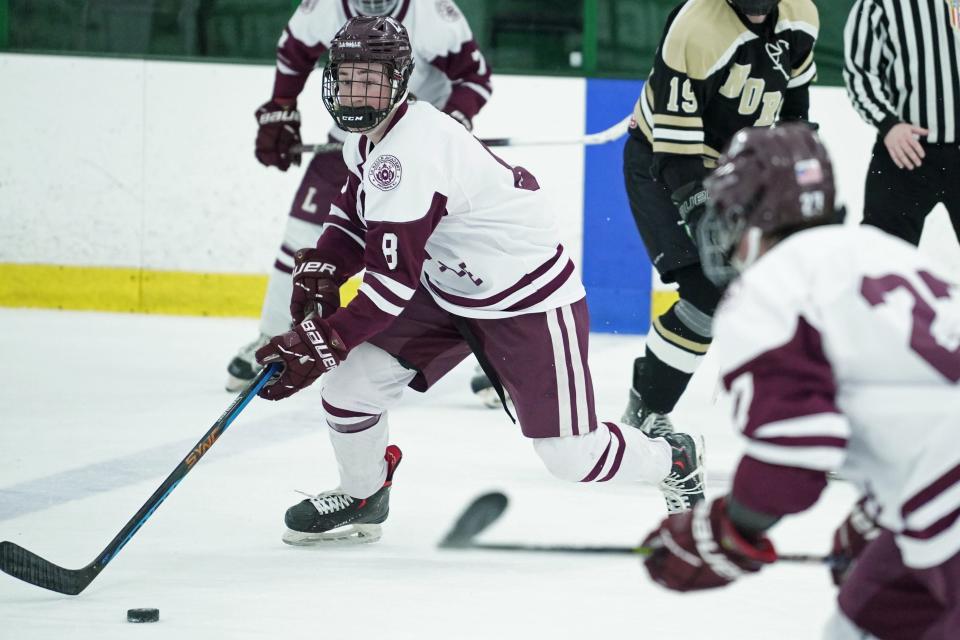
<point x="676" y="344"/>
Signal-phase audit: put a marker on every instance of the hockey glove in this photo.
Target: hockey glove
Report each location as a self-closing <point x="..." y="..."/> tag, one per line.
<point x="701" y="549"/>
<point x="308" y="351"/>
<point x="279" y="131"/>
<point x="691" y="202"/>
<point x="316" y="286"/>
<point x="850" y="539"/>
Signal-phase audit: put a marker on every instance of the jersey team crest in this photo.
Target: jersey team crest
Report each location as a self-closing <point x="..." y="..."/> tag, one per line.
<point x="954" y="8"/>
<point x="385" y="173"/>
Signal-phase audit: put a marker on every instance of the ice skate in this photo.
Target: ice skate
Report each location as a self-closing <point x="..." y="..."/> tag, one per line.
<point x="684" y="485"/>
<point x="653" y="425"/>
<point x="244" y="368"/>
<point x="482" y="387"/>
<point x="637" y="415"/>
<point x="333" y="517"/>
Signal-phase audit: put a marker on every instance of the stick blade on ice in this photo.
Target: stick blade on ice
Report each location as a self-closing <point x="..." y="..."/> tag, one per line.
<point x="481" y="513"/>
<point x="29" y="567"/>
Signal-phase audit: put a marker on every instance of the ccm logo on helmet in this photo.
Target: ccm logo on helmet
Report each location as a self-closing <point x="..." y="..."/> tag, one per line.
<point x="315" y="267"/>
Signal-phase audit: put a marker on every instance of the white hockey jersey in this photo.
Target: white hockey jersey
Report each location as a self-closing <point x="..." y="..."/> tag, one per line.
<point x="432" y="206"/>
<point x="449" y="70"/>
<point x="841" y="347"/>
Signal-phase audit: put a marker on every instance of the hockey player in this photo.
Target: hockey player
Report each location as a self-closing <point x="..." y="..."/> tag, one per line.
<point x="839" y="345"/>
<point x="451" y="74"/>
<point x="459" y="252"/>
<point x="722" y="65"/>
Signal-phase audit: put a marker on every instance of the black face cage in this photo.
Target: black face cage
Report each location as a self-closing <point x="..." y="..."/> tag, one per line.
<point x="360" y="119"/>
<point x="717" y="239"/>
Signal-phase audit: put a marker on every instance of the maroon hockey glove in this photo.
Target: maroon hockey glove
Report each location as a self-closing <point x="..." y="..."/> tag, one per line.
<point x="316" y="286"/>
<point x="308" y="351"/>
<point x="701" y="549"/>
<point x="279" y="131"/>
<point x="850" y="539"/>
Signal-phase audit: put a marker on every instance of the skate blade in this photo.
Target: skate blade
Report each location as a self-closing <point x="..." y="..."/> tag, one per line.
<point x="349" y="535"/>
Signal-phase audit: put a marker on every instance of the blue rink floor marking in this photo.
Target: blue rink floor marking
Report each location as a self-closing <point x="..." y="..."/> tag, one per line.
<point x="154" y="463"/>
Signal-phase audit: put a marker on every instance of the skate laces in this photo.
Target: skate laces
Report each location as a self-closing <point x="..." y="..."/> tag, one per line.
<point x="328" y="501"/>
<point x="656" y="425"/>
<point x="682" y="490"/>
<point x="677" y="490"/>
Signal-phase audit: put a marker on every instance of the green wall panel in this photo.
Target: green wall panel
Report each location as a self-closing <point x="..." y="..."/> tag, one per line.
<point x="606" y="38"/>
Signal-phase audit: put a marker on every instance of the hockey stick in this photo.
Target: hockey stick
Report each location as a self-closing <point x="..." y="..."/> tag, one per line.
<point x="601" y="137"/>
<point x="488" y="508"/>
<point x="29" y="567"/>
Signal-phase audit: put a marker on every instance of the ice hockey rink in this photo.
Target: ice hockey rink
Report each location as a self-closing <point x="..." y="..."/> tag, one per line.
<point x="96" y="409"/>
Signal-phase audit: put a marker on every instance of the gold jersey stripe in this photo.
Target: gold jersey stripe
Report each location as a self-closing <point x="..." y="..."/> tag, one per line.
<point x="679" y="148"/>
<point x="684" y="343"/>
<point x="803" y="66"/>
<point x="690" y="122"/>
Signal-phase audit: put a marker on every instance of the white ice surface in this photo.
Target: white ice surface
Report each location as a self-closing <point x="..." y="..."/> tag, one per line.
<point x="96" y="409"/>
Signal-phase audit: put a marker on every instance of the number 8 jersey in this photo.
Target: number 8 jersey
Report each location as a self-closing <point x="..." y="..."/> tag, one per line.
<point x="431" y="206"/>
<point x="715" y="73"/>
<point x="841" y="349"/>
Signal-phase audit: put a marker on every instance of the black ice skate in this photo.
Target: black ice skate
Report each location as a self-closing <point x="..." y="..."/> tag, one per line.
<point x="683" y="486"/>
<point x="335" y="517"/>
<point x="637" y="415"/>
<point x="244" y="368"/>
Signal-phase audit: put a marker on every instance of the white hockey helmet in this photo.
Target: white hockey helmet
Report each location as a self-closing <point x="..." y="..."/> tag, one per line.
<point x="373" y="7"/>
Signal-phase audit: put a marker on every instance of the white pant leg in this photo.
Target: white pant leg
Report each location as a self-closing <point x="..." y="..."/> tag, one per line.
<point x="275" y="313"/>
<point x="356" y="398"/>
<point x="839" y="627"/>
<point x="612" y="452"/>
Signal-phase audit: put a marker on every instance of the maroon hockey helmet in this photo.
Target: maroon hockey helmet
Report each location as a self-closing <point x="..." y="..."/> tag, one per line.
<point x="769" y="183"/>
<point x="755" y="7"/>
<point x="376" y="43"/>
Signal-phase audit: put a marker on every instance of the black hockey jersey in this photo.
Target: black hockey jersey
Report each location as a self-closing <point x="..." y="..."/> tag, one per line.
<point x="716" y="73"/>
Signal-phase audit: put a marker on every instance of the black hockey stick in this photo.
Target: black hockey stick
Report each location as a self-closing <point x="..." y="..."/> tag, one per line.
<point x="29" y="567"/>
<point x="486" y="509"/>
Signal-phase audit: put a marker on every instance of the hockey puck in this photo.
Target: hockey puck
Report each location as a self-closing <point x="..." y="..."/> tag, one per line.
<point x="143" y="615"/>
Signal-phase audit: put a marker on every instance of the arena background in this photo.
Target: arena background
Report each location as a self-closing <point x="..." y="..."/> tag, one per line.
<point x="128" y="182"/>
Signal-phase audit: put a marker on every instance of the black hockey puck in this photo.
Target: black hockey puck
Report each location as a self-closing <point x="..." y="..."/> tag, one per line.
<point x="143" y="615"/>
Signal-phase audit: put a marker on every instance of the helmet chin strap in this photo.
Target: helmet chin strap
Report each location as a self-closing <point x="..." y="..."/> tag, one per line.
<point x="754" y="240"/>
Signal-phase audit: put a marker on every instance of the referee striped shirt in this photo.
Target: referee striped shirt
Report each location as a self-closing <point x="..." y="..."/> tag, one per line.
<point x="901" y="61"/>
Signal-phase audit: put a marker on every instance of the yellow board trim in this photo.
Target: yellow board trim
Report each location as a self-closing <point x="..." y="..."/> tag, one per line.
<point x="45" y="286"/>
<point x="183" y="293"/>
<point x="662" y="301"/>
